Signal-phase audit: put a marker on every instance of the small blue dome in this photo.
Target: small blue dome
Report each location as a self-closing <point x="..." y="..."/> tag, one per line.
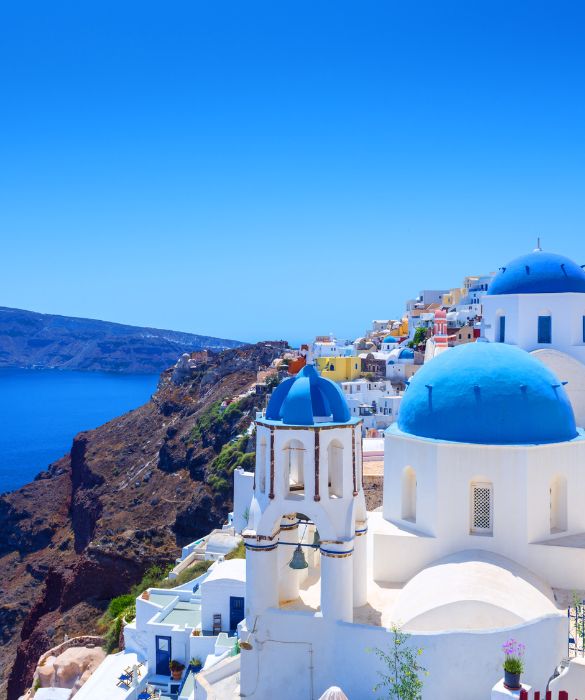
<point x="406" y="354"/>
<point x="490" y="394"/>
<point x="389" y="339"/>
<point x="537" y="273"/>
<point x="301" y="399"/>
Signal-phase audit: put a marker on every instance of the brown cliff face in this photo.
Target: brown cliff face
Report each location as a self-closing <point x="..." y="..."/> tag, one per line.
<point x="128" y="496"/>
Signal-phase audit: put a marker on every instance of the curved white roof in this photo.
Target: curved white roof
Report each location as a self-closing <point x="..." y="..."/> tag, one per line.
<point x="232" y="569"/>
<point x="472" y="590"/>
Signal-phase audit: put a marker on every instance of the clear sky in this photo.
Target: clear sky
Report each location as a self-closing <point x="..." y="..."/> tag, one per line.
<point x="279" y="169"/>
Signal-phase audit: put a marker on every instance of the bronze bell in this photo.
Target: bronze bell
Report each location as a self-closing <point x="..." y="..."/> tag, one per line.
<point x="298" y="560"/>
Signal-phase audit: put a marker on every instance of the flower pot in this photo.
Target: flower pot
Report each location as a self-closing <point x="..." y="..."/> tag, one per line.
<point x="512" y="680"/>
<point x="177" y="675"/>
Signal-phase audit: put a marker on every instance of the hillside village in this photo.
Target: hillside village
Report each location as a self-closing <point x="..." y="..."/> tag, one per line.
<point x="468" y="409"/>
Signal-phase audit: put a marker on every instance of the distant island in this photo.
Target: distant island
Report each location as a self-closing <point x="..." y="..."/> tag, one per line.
<point x="45" y="341"/>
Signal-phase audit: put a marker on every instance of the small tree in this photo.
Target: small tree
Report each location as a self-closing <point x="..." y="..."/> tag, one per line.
<point x="400" y="677"/>
<point x="420" y="335"/>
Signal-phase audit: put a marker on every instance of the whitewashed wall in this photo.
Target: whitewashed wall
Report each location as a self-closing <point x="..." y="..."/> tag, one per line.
<point x="297" y="656"/>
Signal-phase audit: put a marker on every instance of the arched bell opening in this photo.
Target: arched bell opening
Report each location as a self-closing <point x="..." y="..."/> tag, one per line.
<point x="299" y="563"/>
<point x="294" y="469"/>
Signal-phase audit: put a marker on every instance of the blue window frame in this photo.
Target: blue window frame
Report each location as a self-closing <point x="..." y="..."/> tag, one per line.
<point x="544" y="329"/>
<point x="502" y="330"/>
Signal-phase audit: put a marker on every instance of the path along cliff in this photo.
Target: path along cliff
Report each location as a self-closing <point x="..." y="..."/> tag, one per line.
<point x="128" y="496"/>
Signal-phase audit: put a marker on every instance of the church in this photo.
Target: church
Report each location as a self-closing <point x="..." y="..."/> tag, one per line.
<point x="481" y="536"/>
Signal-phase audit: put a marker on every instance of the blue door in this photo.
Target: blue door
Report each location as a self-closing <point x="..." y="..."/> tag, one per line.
<point x="163" y="656"/>
<point x="236" y="612"/>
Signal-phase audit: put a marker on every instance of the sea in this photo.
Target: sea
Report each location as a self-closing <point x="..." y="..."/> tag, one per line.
<point x="42" y="410"/>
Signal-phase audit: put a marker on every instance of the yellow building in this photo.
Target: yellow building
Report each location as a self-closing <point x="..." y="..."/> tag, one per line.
<point x="402" y="329"/>
<point x="453" y="297"/>
<point x="339" y="369"/>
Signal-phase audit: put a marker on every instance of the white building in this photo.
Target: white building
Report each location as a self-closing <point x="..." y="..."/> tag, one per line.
<point x="419" y="311"/>
<point x="537" y="302"/>
<point x="330" y="346"/>
<point x="376" y="402"/>
<point x="482" y="517"/>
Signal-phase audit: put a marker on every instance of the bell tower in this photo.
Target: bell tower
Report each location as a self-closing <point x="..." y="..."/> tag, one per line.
<point x="308" y="500"/>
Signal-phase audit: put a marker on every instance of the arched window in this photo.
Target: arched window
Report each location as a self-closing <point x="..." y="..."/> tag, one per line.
<point x="558" y="504"/>
<point x="482" y="508"/>
<point x="294" y="468"/>
<point x="261" y="466"/>
<point x="409" y="494"/>
<point x="335" y="461"/>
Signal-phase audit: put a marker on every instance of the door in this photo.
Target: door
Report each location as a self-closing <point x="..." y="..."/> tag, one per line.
<point x="236" y="611"/>
<point x="163" y="656"/>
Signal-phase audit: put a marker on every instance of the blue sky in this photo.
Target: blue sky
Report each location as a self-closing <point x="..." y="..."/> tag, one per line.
<point x="280" y="169"/>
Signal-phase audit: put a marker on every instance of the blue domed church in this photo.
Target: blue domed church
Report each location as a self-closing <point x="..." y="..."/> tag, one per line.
<point x="481" y="536"/>
<point x="537" y="302"/>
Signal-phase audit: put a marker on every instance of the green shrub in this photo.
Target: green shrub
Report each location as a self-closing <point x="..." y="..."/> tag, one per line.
<point x="402" y="670"/>
<point x="232" y="456"/>
<point x="153" y="578"/>
<point x="190" y="573"/>
<point x="238" y="553"/>
<point x="118" y="605"/>
<point x="113" y="635"/>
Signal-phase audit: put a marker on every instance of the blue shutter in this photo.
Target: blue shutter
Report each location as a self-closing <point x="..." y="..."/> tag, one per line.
<point x="544" y="329"/>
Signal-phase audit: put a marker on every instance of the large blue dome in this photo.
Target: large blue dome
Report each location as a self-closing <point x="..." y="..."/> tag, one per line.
<point x="537" y="273"/>
<point x="490" y="394"/>
<point x="306" y="399"/>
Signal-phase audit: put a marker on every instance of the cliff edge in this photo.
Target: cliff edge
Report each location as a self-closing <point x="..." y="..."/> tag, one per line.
<point x="128" y="496"/>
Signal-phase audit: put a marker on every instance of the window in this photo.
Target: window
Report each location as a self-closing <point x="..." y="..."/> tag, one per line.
<point x="558" y="504"/>
<point x="544" y="329"/>
<point x="331" y="367"/>
<point x="335" y="460"/>
<point x="481" y="509"/>
<point x="501" y="329"/>
<point x="409" y="494"/>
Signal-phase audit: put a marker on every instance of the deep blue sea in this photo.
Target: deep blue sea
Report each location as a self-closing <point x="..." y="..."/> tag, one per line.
<point x="42" y="410"/>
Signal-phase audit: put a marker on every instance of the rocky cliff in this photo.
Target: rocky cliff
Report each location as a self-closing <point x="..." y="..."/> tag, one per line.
<point x="128" y="496"/>
<point x="44" y="341"/>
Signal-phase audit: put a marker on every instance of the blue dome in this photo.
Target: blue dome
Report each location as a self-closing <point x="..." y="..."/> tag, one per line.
<point x="406" y="354"/>
<point x="301" y="399"/>
<point x="490" y="394"/>
<point x="389" y="339"/>
<point x="539" y="272"/>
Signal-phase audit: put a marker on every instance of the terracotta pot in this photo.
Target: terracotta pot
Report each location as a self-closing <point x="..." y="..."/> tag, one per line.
<point x="177" y="675"/>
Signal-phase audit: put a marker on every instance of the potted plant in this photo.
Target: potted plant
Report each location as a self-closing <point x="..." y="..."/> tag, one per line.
<point x="176" y="668"/>
<point x="513" y="664"/>
<point x="196" y="664"/>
